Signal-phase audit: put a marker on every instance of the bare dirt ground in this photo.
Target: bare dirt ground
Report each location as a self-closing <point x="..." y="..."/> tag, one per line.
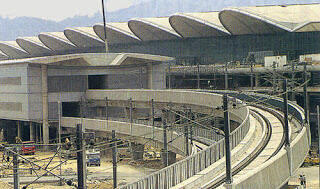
<point x="98" y="177"/>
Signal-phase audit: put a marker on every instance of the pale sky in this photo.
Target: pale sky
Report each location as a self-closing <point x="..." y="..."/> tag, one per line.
<point x="57" y="9"/>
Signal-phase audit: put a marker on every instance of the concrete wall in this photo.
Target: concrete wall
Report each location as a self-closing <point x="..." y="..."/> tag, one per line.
<point x="14" y="92"/>
<point x="139" y="133"/>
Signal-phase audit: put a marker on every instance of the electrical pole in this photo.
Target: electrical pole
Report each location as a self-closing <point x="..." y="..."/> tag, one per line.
<point x="226" y="77"/>
<point x="59" y="138"/>
<point x="251" y="75"/>
<point x="114" y="158"/>
<point x="140" y="78"/>
<point x="169" y="76"/>
<point x="186" y="138"/>
<point x="227" y="142"/>
<point x="107" y="115"/>
<point x="104" y="27"/>
<point x="16" y="183"/>
<point x="305" y="93"/>
<point x="198" y="75"/>
<point x="285" y="112"/>
<point x="152" y="114"/>
<point x="318" y="121"/>
<point x="165" y="141"/>
<point x="81" y="166"/>
<point x="130" y="114"/>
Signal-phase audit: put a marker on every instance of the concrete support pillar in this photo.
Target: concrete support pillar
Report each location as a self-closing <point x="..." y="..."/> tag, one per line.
<point x="137" y="151"/>
<point x="19" y="129"/>
<point x="32" y="133"/>
<point x="172" y="157"/>
<point x="44" y="91"/>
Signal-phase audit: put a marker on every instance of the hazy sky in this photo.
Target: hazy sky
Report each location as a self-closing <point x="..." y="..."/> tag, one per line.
<point x="57" y="9"/>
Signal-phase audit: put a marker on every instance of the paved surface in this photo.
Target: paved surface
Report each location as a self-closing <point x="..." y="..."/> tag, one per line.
<point x="312" y="176"/>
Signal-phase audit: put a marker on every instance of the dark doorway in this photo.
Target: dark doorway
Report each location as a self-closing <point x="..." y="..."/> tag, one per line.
<point x="70" y="109"/>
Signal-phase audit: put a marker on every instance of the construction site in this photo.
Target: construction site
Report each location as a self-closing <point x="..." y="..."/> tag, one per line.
<point x="194" y="100"/>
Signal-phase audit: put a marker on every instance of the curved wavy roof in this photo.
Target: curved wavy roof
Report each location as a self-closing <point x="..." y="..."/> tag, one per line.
<point x="56" y="41"/>
<point x="204" y="24"/>
<point x="117" y="32"/>
<point x="83" y="37"/>
<point x="33" y="46"/>
<point x="152" y="29"/>
<point x="268" y="19"/>
<point x="13" y="50"/>
<point x="3" y="56"/>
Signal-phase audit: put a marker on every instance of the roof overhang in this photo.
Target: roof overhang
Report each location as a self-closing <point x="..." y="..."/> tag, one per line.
<point x="308" y="27"/>
<point x="56" y="41"/>
<point x="93" y="59"/>
<point x="189" y="26"/>
<point x="83" y="37"/>
<point x="116" y="33"/>
<point x="152" y="30"/>
<point x="240" y="22"/>
<point x="33" y="46"/>
<point x="12" y="50"/>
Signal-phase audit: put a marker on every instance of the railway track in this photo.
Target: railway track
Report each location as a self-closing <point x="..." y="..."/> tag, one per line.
<point x="242" y="165"/>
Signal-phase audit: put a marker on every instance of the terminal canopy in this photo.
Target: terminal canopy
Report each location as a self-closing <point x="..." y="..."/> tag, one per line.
<point x="83" y="37"/>
<point x="56" y="41"/>
<point x="13" y="50"/>
<point x="153" y="29"/>
<point x="268" y="19"/>
<point x="117" y="32"/>
<point x="33" y="46"/>
<point x="205" y="24"/>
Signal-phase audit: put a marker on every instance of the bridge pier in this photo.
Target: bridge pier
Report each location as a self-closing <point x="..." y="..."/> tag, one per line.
<point x="137" y="151"/>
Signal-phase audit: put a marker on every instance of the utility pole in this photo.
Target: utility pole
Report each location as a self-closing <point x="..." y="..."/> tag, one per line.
<point x="130" y="114"/>
<point x="165" y="141"/>
<point x="59" y="138"/>
<point x="140" y="78"/>
<point x="107" y="115"/>
<point x="104" y="27"/>
<point x="198" y="75"/>
<point x="251" y="75"/>
<point x="226" y="77"/>
<point x="190" y="126"/>
<point x="318" y="121"/>
<point x="186" y="138"/>
<point x="285" y="112"/>
<point x="152" y="114"/>
<point x="81" y="166"/>
<point x="227" y="141"/>
<point x="305" y="93"/>
<point x="114" y="158"/>
<point x="16" y="183"/>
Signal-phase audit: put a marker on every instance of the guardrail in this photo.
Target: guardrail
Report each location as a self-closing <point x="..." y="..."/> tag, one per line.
<point x="190" y="166"/>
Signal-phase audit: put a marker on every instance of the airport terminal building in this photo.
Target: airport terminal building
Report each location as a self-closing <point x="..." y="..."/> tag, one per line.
<point x="37" y="72"/>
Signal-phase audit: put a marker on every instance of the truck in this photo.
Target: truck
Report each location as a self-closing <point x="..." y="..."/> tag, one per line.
<point x="93" y="158"/>
<point x="28" y="147"/>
